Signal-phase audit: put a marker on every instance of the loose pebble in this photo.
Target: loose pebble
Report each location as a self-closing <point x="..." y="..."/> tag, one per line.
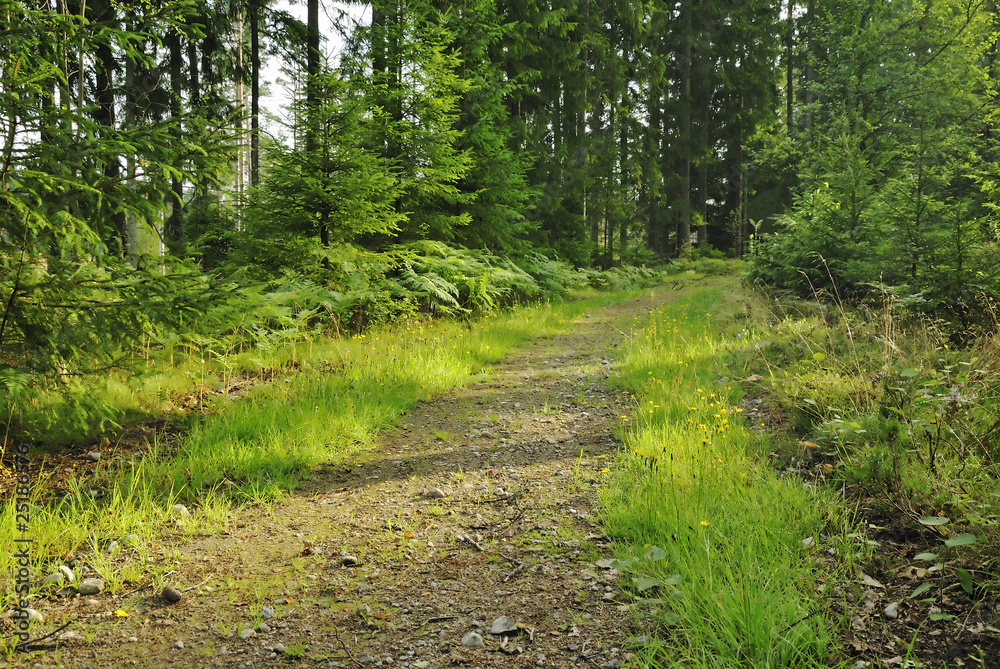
<point x="180" y="511"/>
<point x="473" y="640"/>
<point x="279" y="648"/>
<point x="91" y="586"/>
<point x="892" y="611"/>
<point x="436" y="493"/>
<point x="55" y="579"/>
<point x="502" y="625"/>
<point x="94" y="456"/>
<point x="179" y="644"/>
<point x="172" y="595"/>
<point x="267" y="612"/>
<point x="246" y="633"/>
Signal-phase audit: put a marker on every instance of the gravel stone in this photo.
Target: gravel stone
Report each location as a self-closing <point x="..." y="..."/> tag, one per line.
<point x="91" y="586"/>
<point x="267" y="612"/>
<point x="503" y="625"/>
<point x="172" y="595"/>
<point x="54" y="579"/>
<point x="473" y="640"/>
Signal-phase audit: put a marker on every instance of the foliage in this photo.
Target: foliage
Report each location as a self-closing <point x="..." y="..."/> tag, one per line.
<point x="895" y="191"/>
<point x="75" y="297"/>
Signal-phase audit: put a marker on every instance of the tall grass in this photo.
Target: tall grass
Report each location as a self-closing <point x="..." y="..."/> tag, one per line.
<point x="712" y="539"/>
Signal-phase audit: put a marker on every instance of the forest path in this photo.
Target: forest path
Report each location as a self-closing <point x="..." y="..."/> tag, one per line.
<point x="483" y="504"/>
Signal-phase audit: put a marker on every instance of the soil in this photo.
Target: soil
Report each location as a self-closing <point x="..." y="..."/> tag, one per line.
<point x="483" y="504"/>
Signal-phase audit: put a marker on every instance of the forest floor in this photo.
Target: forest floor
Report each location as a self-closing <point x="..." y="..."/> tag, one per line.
<point x="480" y="514"/>
<point x="482" y="505"/>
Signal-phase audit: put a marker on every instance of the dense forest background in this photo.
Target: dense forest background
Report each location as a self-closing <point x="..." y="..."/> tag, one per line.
<point x="459" y="156"/>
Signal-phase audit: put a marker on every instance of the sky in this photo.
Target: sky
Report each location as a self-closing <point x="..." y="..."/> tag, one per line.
<point x="275" y="84"/>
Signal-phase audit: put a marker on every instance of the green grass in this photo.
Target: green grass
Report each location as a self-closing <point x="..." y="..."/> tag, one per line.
<point x="712" y="542"/>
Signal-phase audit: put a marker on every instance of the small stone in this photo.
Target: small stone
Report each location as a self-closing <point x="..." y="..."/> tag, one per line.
<point x="133" y="639"/>
<point x="68" y="573"/>
<point x="33" y="616"/>
<point x="172" y="595"/>
<point x="473" y="640"/>
<point x="366" y="659"/>
<point x="54" y="580"/>
<point x="223" y="650"/>
<point x="131" y="540"/>
<point x="263" y="628"/>
<point x="503" y="625"/>
<point x="94" y="456"/>
<point x="808" y="542"/>
<point x="91" y="602"/>
<point x="91" y="586"/>
<point x="892" y="611"/>
<point x="436" y="493"/>
<point x="348" y="561"/>
<point x="180" y="511"/>
<point x="614" y="663"/>
<point x="267" y="612"/>
<point x="279" y="648"/>
<point x="112" y="548"/>
<point x="363" y="609"/>
<point x="934" y="610"/>
<point x="246" y="633"/>
<point x="179" y="644"/>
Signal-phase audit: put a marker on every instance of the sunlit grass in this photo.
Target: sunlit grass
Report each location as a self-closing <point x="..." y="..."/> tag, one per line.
<point x="712" y="537"/>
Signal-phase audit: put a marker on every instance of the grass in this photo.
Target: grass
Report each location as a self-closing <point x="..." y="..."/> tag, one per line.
<point x="889" y="421"/>
<point x="712" y="540"/>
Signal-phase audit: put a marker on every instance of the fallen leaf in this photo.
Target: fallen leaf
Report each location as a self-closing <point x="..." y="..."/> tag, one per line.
<point x="869" y="581"/>
<point x="913" y="573"/>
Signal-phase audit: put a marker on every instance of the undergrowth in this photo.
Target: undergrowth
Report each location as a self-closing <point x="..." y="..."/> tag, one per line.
<point x="862" y="413"/>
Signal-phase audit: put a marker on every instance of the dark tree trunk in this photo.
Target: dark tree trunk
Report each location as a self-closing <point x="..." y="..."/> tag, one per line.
<point x="255" y="8"/>
<point x="172" y="226"/>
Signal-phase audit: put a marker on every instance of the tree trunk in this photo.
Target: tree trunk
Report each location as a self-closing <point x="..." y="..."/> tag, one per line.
<point x="105" y="69"/>
<point x="255" y="8"/>
<point x="683" y="241"/>
<point x="172" y="226"/>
